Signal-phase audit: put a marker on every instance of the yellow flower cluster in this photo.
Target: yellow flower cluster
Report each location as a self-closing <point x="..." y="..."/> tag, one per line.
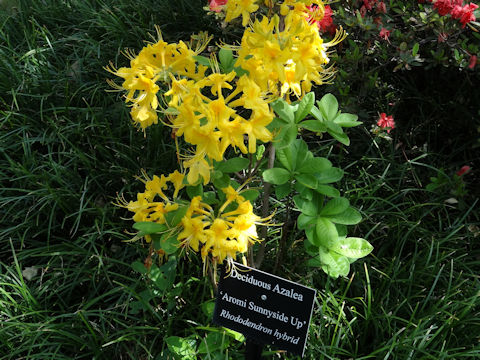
<point x="155" y="63"/>
<point x="215" y="122"/>
<point x="287" y="54"/>
<point x="148" y="207"/>
<point x="222" y="235"/>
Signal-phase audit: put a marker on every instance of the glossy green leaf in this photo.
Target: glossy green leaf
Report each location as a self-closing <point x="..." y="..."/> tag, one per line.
<point x="335" y="206"/>
<point x="330" y="191"/>
<point x="147" y="227"/>
<point x="307" y="180"/>
<point x="286" y="136"/>
<point x="317" y="114"/>
<point x="287" y="158"/>
<point x="226" y="60"/>
<point x="304" y="106"/>
<point x="139" y="267"/>
<point x="326" y="232"/>
<point x="315" y="165"/>
<point x="173" y="218"/>
<point x="348" y="217"/>
<point x="202" y="60"/>
<point x="193" y="191"/>
<point x="334" y="264"/>
<point x="283" y="110"/>
<point x="353" y="247"/>
<point x="347" y="120"/>
<point x="340" y="137"/>
<point x="232" y="165"/>
<point x="250" y="194"/>
<point x="305" y="221"/>
<point x="328" y="106"/>
<point x="282" y="190"/>
<point x="307" y="207"/>
<point x="167" y="243"/>
<point x="183" y="349"/>
<point x="329" y="176"/>
<point x="313" y="125"/>
<point x="276" y="176"/>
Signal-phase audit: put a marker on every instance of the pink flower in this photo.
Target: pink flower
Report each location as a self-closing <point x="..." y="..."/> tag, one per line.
<point x="473" y="61"/>
<point x="326" y="24"/>
<point x="385" y="121"/>
<point x="369" y="4"/>
<point x="464" y="170"/>
<point x="384" y="33"/>
<point x="216" y="5"/>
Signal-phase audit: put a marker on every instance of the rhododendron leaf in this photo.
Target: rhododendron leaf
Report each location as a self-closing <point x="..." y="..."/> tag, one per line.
<point x="348" y="217"/>
<point x="353" y="247"/>
<point x="304" y="106"/>
<point x="226" y="60"/>
<point x="341" y="137"/>
<point x="209" y="197"/>
<point x="193" y="191"/>
<point x="166" y="242"/>
<point x="329" y="176"/>
<point x="313" y="125"/>
<point x="250" y="194"/>
<point x="287" y="158"/>
<point x="240" y="71"/>
<point x="334" y="264"/>
<point x="182" y="348"/>
<point x="304" y="191"/>
<point x="283" y="110"/>
<point x="147" y="227"/>
<point x="347" y="120"/>
<point x="335" y="206"/>
<point x="221" y="182"/>
<point x="287" y="135"/>
<point x="330" y="191"/>
<point x="317" y="114"/>
<point x="282" y="190"/>
<point x="301" y="153"/>
<point x="139" y="267"/>
<point x="173" y="218"/>
<point x="202" y="60"/>
<point x="305" y="206"/>
<point x="305" y="221"/>
<point x="331" y="125"/>
<point x="232" y="165"/>
<point x="415" y="49"/>
<point x="328" y="106"/>
<point x="315" y="165"/>
<point x="307" y="180"/>
<point x="311" y="250"/>
<point x="276" y="176"/>
<point x="327" y="233"/>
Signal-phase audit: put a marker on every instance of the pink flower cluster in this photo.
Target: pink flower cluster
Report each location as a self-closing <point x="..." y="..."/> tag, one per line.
<point x="456" y="8"/>
<point x="368" y="5"/>
<point x="387" y="122"/>
<point x="326" y="24"/>
<point x="217" y="5"/>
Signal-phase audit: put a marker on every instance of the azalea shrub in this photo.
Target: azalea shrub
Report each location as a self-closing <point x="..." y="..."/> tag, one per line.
<point x="237" y="119"/>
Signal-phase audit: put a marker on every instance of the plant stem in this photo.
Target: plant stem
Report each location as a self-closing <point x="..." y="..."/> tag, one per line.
<point x="283" y="239"/>
<point x="265" y="208"/>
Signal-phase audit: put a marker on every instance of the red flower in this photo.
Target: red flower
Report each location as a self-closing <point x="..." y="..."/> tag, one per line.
<point x="464" y="170"/>
<point x="216" y="5"/>
<point x="369" y="4"/>
<point x="443" y="6"/>
<point x="385" y="121"/>
<point x="467" y="14"/>
<point x="384" y="33"/>
<point x="381" y="8"/>
<point x="326" y="24"/>
<point x="473" y="61"/>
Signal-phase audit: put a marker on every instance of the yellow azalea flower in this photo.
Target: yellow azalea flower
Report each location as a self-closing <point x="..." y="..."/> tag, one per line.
<point x="235" y="8"/>
<point x="176" y="178"/>
<point x="157" y="185"/>
<point x="193" y="232"/>
<point x="198" y="167"/>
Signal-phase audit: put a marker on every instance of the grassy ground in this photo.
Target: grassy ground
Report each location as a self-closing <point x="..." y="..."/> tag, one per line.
<point x="67" y="289"/>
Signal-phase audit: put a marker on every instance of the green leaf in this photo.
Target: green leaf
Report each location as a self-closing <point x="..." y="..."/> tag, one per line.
<point x="305" y="221"/>
<point x="347" y="120"/>
<point x="232" y="165"/>
<point x="209" y="197"/>
<point x="139" y="267"/>
<point x="287" y="158"/>
<point x="313" y="125"/>
<point x="213" y="342"/>
<point x="240" y="71"/>
<point x="415" y="49"/>
<point x="304" y="106"/>
<point x="348" y="217"/>
<point x="276" y="176"/>
<point x="341" y="137"/>
<point x="328" y="106"/>
<point x="329" y="176"/>
<point x="283" y="110"/>
<point x="301" y="153"/>
<point x="327" y="233"/>
<point x="353" y="247"/>
<point x="304" y="191"/>
<point x="286" y="136"/>
<point x="333" y="126"/>
<point x="182" y="348"/>
<point x="315" y="165"/>
<point x="334" y="264"/>
<point x="330" y="191"/>
<point x="305" y="206"/>
<point x="250" y="194"/>
<point x="193" y="191"/>
<point x="202" y="60"/>
<point x="167" y="243"/>
<point x="226" y="60"/>
<point x="317" y="114"/>
<point x="335" y="206"/>
<point x="147" y="227"/>
<point x="307" y="180"/>
<point x="221" y="182"/>
<point x="282" y="190"/>
<point x="173" y="218"/>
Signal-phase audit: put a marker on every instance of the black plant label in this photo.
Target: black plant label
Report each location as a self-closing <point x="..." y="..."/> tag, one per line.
<point x="265" y="308"/>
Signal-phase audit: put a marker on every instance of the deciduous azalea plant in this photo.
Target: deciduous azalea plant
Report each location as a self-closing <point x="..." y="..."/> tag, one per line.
<point x="237" y="119"/>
